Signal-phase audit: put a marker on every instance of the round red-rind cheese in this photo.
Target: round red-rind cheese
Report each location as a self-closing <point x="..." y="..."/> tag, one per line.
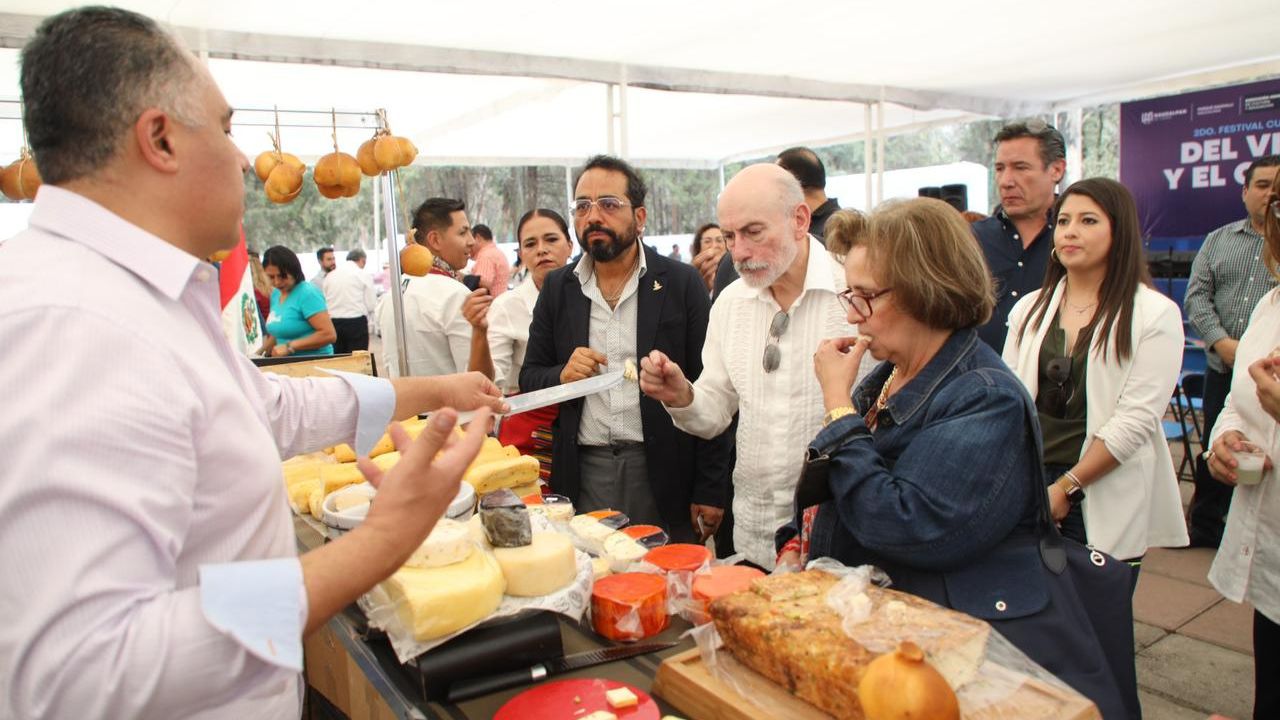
<point x="615" y="597"/>
<point x="678" y="557"/>
<point x="723" y="580"/>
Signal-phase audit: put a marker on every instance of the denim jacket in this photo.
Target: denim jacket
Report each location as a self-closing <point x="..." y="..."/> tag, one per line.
<point x="937" y="493"/>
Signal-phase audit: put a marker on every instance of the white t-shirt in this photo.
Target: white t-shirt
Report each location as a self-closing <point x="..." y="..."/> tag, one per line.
<point x="348" y="292"/>
<point x="438" y="337"/>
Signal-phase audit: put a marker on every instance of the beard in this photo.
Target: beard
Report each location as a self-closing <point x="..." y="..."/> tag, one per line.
<point x="604" y="252"/>
<point x="761" y="273"/>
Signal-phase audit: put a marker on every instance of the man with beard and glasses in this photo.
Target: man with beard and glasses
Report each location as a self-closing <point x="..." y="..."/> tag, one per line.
<point x="619" y="301"/>
<point x="758" y="360"/>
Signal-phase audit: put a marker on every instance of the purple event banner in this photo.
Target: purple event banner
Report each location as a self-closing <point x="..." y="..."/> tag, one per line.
<point x="1184" y="156"/>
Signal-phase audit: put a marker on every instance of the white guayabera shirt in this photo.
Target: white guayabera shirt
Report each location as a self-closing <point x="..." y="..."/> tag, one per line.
<point x="780" y="412"/>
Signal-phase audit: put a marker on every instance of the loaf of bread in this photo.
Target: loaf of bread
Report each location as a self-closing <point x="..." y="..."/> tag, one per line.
<point x="783" y="628"/>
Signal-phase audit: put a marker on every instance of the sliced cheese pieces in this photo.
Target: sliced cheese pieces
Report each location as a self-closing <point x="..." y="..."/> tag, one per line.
<point x="629" y="606"/>
<point x="540" y="568"/>
<point x="622" y="550"/>
<point x="448" y="543"/>
<point x="344" y="453"/>
<point x="590" y="529"/>
<point x="434" y="602"/>
<point x="556" y="508"/>
<point x="340" y="475"/>
<point x="507" y="472"/>
<point x="300" y="493"/>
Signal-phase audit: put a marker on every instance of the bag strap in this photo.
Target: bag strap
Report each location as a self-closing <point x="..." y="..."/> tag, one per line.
<point x="1053" y="551"/>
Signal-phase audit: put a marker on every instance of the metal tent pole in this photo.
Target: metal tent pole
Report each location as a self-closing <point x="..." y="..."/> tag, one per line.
<point x="388" y="182"/>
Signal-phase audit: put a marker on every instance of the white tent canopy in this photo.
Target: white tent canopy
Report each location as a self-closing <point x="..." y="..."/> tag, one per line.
<point x="682" y="84"/>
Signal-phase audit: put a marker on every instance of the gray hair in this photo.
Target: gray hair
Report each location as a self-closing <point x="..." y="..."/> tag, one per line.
<point x="87" y="75"/>
<point x="356" y="255"/>
<point x="1053" y="147"/>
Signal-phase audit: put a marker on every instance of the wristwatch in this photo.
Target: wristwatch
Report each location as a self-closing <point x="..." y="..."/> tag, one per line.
<point x="1074" y="491"/>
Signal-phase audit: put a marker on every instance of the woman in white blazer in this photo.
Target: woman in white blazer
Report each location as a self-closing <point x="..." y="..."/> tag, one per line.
<point x="1100" y="352"/>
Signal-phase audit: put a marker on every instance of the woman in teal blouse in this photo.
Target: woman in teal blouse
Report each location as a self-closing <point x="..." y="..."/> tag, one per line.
<point x="299" y="322"/>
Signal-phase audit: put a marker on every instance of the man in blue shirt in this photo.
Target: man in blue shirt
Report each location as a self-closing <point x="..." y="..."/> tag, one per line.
<point x="1018" y="237"/>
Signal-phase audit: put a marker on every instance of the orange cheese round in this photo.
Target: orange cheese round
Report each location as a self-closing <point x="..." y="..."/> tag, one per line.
<point x="629" y="606"/>
<point x="685" y="557"/>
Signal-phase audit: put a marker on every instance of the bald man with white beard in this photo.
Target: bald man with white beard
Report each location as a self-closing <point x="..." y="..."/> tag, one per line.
<point x="758" y="356"/>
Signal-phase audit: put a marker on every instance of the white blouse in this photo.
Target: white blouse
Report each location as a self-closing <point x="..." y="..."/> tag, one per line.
<point x="1247" y="566"/>
<point x="509" y="318"/>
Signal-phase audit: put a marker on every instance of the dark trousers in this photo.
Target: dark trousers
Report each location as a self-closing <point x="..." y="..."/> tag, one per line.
<point x="1212" y="499"/>
<point x="353" y="334"/>
<point x="1266" y="668"/>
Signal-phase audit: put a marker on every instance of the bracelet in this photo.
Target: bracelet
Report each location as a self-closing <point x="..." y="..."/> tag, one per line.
<point x="837" y="413"/>
<point x="289" y="346"/>
<point x="1074" y="480"/>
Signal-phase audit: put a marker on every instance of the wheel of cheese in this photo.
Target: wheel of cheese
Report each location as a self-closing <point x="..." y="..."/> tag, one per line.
<point x="448" y="543"/>
<point x="723" y="580"/>
<point x="629" y="606"/>
<point x="434" y="602"/>
<point x="683" y="557"/>
<point x="540" y="568"/>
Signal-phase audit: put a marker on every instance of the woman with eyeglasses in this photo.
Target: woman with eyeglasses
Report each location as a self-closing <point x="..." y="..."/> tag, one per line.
<point x="930" y="468"/>
<point x="1100" y="350"/>
<point x="1246" y="566"/>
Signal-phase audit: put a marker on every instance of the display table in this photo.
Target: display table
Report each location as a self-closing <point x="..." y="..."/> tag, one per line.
<point x="357" y="671"/>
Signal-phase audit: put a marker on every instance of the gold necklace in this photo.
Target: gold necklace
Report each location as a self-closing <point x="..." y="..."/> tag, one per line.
<point x="883" y="399"/>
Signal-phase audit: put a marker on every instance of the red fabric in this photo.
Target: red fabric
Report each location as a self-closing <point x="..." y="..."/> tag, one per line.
<point x="517" y="430"/>
<point x="231" y="271"/>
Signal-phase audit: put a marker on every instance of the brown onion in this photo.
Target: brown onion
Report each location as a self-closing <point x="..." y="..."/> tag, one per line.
<point x="901" y="686"/>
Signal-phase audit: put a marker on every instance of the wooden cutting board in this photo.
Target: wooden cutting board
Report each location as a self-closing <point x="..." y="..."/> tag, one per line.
<point x="685" y="682"/>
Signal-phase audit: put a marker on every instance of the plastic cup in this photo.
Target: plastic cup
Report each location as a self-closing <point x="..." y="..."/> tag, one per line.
<point x="1250" y="460"/>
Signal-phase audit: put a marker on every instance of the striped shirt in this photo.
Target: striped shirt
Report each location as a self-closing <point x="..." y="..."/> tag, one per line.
<point x="1227" y="280"/>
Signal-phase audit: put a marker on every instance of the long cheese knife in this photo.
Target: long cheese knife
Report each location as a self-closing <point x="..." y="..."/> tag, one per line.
<point x="462" y="690"/>
<point x="524" y="402"/>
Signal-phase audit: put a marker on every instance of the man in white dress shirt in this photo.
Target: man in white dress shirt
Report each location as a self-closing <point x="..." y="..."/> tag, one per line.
<point x="348" y="292"/>
<point x="150" y="567"/>
<point x="758" y="357"/>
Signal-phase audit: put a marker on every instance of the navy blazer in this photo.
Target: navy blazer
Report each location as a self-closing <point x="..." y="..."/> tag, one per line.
<point x="671" y="317"/>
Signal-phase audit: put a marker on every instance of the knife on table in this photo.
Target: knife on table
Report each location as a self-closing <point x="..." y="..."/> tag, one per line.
<point x="474" y="687"/>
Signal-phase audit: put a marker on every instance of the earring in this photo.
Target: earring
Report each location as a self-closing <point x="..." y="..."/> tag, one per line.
<point x="1054" y="254"/>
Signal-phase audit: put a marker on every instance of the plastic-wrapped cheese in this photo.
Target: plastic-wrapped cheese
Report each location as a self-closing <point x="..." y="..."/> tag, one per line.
<point x="680" y="557"/>
<point x="437" y="601"/>
<point x="556" y="508"/>
<point x="622" y="550"/>
<point x="723" y="580"/>
<point x="590" y="529"/>
<point x="505" y="519"/>
<point x="448" y="543"/>
<point x="600" y="568"/>
<point x="540" y="568"/>
<point x="629" y="606"/>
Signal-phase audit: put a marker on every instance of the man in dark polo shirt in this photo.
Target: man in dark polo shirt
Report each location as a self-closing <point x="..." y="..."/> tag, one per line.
<point x="1018" y="237"/>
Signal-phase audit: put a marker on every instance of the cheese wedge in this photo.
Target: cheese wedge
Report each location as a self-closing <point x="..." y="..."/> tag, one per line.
<point x="296" y="473"/>
<point x="541" y="568"/>
<point x="448" y="543"/>
<point x="344" y="453"/>
<point x="435" y="602"/>
<point x="505" y="473"/>
<point x="383" y="446"/>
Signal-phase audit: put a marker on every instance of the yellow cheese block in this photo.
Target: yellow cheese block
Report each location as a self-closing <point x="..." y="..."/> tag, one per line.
<point x="434" y="602"/>
<point x="314" y="501"/>
<point x="296" y="473"/>
<point x="387" y="461"/>
<point x="505" y="473"/>
<point x="383" y="446"/>
<point x="340" y="475"/>
<point x="300" y="493"/>
<point x="344" y="453"/>
<point x="540" y="568"/>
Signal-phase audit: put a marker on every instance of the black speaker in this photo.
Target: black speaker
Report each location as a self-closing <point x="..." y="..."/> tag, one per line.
<point x="956" y="195"/>
<point x="930" y="192"/>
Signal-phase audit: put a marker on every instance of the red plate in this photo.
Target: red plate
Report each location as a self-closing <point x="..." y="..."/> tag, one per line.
<point x="554" y="701"/>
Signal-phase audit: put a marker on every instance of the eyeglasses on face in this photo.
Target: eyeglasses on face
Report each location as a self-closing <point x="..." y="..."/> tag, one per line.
<point x="860" y="302"/>
<point x="608" y="205"/>
<point x="1053" y="400"/>
<point x="777" y="327"/>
